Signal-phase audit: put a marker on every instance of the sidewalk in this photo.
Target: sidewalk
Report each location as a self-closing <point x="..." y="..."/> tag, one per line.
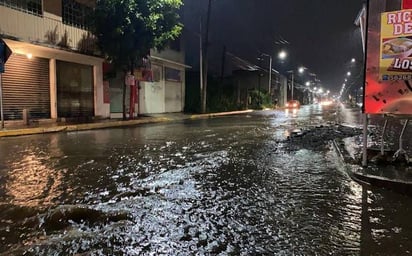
<point x="107" y="123"/>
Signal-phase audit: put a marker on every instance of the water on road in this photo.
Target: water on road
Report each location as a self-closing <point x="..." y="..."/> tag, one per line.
<point x="223" y="186"/>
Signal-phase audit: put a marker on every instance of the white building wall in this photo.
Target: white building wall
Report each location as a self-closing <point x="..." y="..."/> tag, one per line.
<point x="173" y="97"/>
<point x="152" y="97"/>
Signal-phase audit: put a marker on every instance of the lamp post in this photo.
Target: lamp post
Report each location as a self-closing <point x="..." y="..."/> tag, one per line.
<point x="300" y="70"/>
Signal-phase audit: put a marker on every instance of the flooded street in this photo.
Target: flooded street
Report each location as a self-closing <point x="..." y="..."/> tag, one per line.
<point x="224" y="186"/>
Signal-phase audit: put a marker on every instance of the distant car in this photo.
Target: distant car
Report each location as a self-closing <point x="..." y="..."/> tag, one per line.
<point x="292" y="104"/>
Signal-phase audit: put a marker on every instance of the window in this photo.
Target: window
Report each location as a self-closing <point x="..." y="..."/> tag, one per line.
<point x="75" y="14"/>
<point x="172" y="74"/>
<point x="28" y="6"/>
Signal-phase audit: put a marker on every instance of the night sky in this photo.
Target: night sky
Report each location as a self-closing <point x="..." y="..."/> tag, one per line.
<point x="321" y="33"/>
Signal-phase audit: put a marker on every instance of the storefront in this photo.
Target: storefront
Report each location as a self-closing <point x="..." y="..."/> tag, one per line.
<point x="52" y="83"/>
<point x="26" y="86"/>
<point x="75" y="96"/>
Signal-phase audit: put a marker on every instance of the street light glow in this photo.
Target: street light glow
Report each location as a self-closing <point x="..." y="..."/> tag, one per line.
<point x="349" y="73"/>
<point x="282" y="55"/>
<point x="353" y="60"/>
<point x="301" y="70"/>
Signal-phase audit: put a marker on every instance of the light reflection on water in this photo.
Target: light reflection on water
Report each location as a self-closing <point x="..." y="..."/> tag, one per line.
<point x="200" y="187"/>
<point x="31" y="183"/>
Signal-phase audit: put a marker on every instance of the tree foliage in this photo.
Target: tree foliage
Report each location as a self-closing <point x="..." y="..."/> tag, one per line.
<point x="127" y="29"/>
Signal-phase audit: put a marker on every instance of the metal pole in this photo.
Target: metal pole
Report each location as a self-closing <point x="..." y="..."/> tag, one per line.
<point x="1" y="101"/>
<point x="401" y="136"/>
<point x="205" y="57"/>
<point x="383" y="137"/>
<point x="292" y="86"/>
<point x="201" y="65"/>
<point x="270" y="74"/>
<point x="365" y="141"/>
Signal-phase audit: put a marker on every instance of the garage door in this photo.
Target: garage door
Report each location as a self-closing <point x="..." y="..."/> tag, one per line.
<point x="26" y="85"/>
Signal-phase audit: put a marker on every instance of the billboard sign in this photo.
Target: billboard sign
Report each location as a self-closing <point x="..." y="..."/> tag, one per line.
<point x="407" y="4"/>
<point x="388" y="86"/>
<point x="396" y="45"/>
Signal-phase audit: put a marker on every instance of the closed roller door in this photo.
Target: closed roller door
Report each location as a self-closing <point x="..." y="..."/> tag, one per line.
<point x="26" y="85"/>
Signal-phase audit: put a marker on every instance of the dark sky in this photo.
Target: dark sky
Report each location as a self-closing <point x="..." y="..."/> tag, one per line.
<point x="321" y="33"/>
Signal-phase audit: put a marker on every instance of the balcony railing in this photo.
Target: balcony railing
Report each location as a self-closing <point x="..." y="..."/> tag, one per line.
<point x="45" y="30"/>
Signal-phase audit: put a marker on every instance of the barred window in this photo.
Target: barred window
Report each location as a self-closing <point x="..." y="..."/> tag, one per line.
<point x="29" y="6"/>
<point x="75" y="14"/>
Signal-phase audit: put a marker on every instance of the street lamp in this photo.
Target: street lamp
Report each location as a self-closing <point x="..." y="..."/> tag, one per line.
<point x="282" y="55"/>
<point x="300" y="70"/>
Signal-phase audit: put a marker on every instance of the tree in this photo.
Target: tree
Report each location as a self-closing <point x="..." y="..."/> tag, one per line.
<point x="126" y="30"/>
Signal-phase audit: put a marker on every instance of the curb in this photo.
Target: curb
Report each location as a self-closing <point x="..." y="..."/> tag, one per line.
<point x="211" y="115"/>
<point x="109" y="124"/>
<point x="79" y="127"/>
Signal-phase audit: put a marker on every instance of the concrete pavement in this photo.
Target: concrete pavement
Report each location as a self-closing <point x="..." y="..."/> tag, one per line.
<point x="109" y="123"/>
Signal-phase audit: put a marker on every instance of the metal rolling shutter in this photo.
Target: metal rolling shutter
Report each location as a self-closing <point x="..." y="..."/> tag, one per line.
<point x="26" y="85"/>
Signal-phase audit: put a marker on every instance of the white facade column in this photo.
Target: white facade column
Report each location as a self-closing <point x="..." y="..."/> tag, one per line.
<point x="53" y="88"/>
<point x="101" y="109"/>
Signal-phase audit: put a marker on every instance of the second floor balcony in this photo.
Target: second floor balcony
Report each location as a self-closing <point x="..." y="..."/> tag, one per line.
<point x="46" y="29"/>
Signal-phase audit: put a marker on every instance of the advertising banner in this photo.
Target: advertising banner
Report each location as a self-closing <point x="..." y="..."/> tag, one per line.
<point x="407" y="4"/>
<point x="396" y="45"/>
<point x="388" y="87"/>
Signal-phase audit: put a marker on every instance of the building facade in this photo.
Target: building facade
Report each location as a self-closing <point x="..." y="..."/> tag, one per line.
<point x="55" y="70"/>
<point x="161" y="92"/>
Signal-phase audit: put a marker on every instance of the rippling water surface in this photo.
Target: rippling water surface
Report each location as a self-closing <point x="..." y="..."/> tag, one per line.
<point x="208" y="187"/>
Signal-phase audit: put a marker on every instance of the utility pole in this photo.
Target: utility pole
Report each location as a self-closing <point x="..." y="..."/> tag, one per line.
<point x="205" y="59"/>
<point x="270" y="76"/>
<point x="201" y="65"/>
<point x="291" y="92"/>
<point x="270" y="70"/>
